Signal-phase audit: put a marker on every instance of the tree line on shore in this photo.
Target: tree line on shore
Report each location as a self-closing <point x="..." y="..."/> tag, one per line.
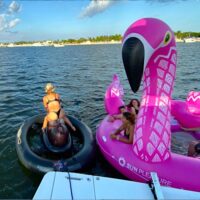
<point x="106" y="38"/>
<point x="182" y="35"/>
<point x="103" y="38"/>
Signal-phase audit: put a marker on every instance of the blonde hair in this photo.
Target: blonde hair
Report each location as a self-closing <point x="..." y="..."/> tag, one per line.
<point x="49" y="88"/>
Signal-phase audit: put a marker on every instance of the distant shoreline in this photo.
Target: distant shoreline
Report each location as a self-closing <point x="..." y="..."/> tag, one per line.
<point x="56" y="44"/>
<point x="43" y="44"/>
<point x="187" y="37"/>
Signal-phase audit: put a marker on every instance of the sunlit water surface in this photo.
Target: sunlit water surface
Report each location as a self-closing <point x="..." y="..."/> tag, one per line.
<point x="81" y="75"/>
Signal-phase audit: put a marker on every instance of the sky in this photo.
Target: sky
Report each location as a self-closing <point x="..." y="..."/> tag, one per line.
<point x="33" y="20"/>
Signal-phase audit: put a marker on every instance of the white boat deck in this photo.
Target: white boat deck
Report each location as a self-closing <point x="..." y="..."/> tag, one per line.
<point x="74" y="186"/>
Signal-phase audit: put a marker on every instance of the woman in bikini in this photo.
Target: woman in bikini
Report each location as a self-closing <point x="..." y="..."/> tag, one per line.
<point x="134" y="106"/>
<point x="52" y="103"/>
<point x="128" y="125"/>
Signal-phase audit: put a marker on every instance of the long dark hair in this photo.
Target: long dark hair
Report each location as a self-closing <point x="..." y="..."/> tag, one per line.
<point x="121" y="107"/>
<point x="130" y="117"/>
<point x="131" y="105"/>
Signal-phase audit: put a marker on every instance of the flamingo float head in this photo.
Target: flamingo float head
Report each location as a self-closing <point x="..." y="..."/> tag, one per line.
<point x="149" y="54"/>
<point x="141" y="40"/>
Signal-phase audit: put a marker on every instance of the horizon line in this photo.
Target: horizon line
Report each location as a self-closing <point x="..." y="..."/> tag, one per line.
<point x="89" y="38"/>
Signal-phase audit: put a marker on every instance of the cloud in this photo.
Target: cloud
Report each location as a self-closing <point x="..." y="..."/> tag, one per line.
<point x="8" y="19"/>
<point x="13" y="23"/>
<point x="95" y="7"/>
<point x="98" y="6"/>
<point x="14" y="7"/>
<point x="3" y="23"/>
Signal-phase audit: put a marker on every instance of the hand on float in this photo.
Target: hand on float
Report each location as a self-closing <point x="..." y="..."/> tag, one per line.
<point x="111" y="119"/>
<point x="113" y="136"/>
<point x="73" y="128"/>
<point x="43" y="130"/>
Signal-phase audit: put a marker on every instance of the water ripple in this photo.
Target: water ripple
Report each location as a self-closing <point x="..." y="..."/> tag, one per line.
<point x="81" y="75"/>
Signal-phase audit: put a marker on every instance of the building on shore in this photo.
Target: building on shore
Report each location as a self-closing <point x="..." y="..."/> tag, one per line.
<point x="58" y="45"/>
<point x="11" y="45"/>
<point x="191" y="39"/>
<point x="178" y="39"/>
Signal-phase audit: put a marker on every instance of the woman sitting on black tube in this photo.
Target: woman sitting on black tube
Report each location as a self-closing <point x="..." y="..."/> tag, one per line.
<point x="55" y="128"/>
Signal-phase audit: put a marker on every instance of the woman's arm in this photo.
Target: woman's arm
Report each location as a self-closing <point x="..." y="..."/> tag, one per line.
<point x="133" y="111"/>
<point x="125" y="140"/>
<point x="119" y="116"/>
<point x="190" y="129"/>
<point x="58" y="98"/>
<point x="44" y="124"/>
<point x="67" y="121"/>
<point x="45" y="103"/>
<point x="112" y="118"/>
<point x="115" y="133"/>
<point x="121" y="128"/>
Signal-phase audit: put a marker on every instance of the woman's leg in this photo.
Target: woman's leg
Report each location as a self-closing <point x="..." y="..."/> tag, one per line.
<point x="190" y="129"/>
<point x="66" y="120"/>
<point x="191" y="148"/>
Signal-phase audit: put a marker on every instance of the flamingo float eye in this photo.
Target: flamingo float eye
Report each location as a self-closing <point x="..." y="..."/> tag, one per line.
<point x="167" y="38"/>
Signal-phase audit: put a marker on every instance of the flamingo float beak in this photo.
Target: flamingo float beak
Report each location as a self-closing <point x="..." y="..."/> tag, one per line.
<point x="133" y="59"/>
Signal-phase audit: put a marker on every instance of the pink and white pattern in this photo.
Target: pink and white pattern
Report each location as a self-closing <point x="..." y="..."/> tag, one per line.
<point x="150" y="150"/>
<point x="152" y="133"/>
<point x="193" y="102"/>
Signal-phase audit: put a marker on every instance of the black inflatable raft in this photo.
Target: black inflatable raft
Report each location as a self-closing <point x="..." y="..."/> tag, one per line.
<point x="36" y="163"/>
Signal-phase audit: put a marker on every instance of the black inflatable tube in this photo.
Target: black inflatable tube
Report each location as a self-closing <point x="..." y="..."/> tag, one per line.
<point x="38" y="164"/>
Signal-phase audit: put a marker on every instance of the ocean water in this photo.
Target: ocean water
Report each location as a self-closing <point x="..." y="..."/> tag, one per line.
<point x="81" y="75"/>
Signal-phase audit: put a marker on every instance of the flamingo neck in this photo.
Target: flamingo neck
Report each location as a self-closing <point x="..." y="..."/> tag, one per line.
<point x="152" y="140"/>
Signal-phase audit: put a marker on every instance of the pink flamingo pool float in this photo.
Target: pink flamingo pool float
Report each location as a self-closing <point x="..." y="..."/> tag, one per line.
<point x="149" y="54"/>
